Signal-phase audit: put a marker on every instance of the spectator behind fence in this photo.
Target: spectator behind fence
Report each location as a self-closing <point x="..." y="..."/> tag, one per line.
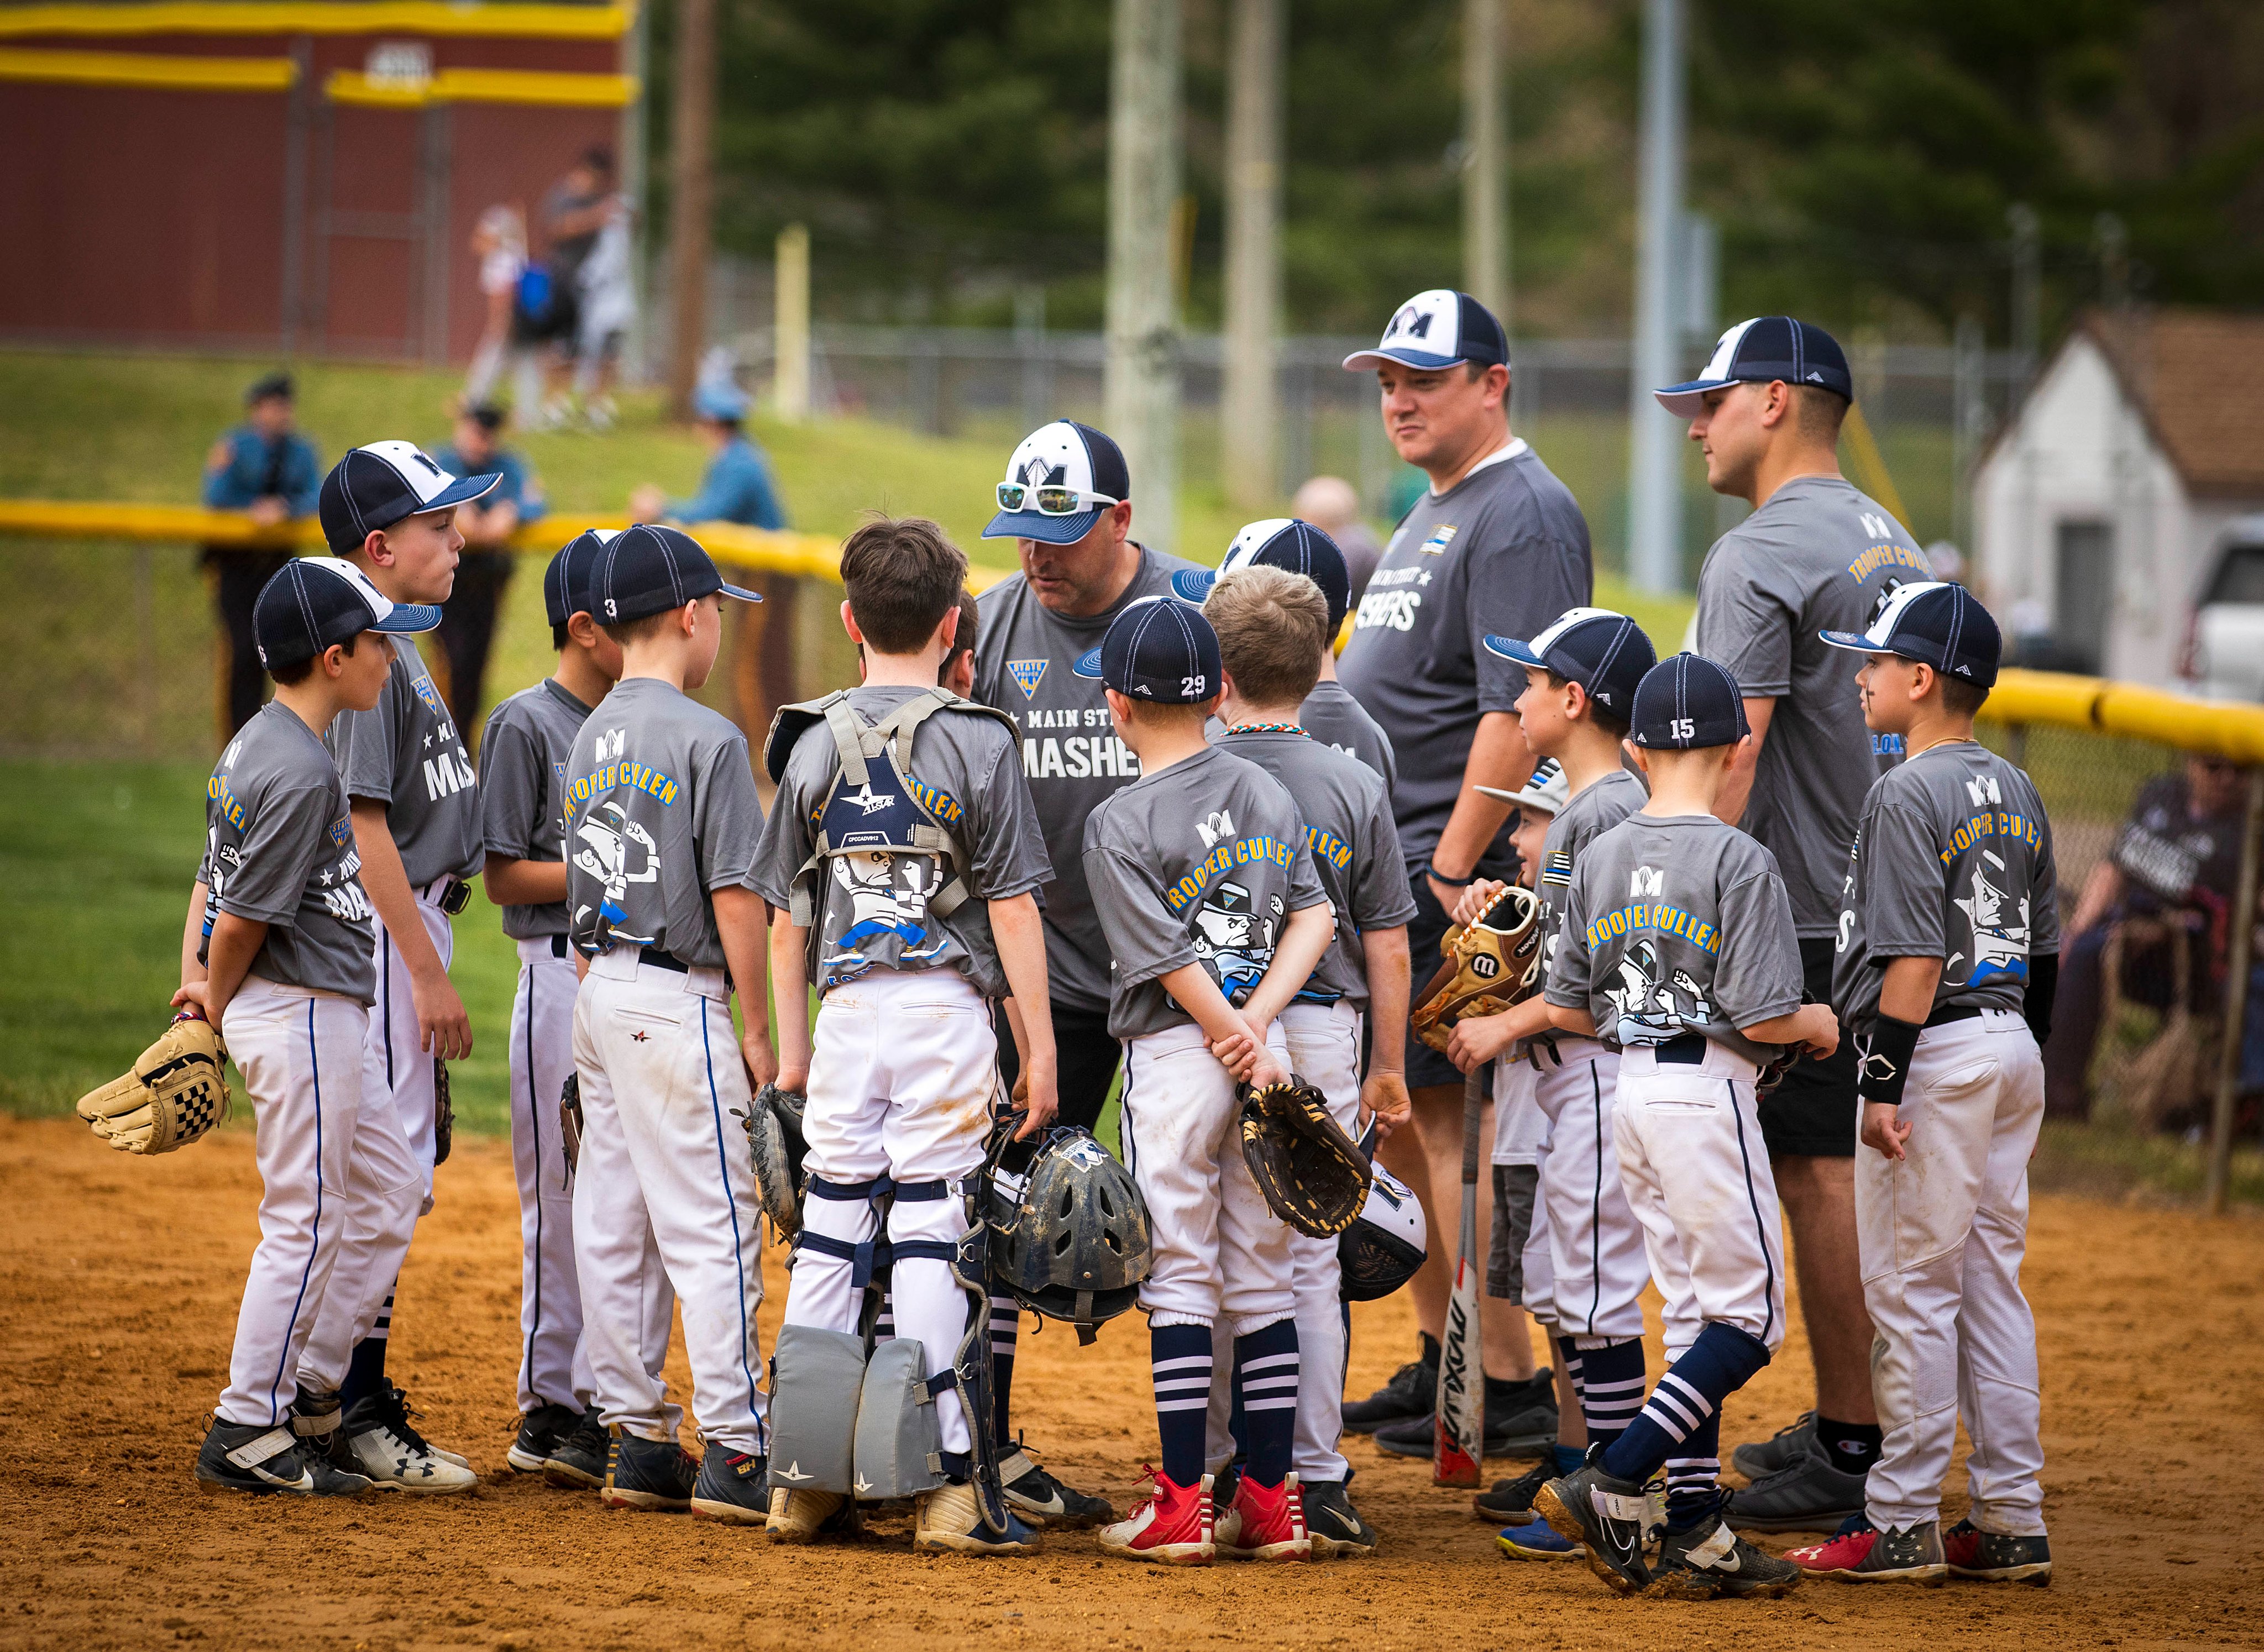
<point x="608" y="305"/>
<point x="736" y="487"/>
<point x="467" y="622"/>
<point x="1331" y="505"/>
<point x="499" y="244"/>
<point x="2168" y="882"/>
<point x="548" y="311"/>
<point x="265" y="469"/>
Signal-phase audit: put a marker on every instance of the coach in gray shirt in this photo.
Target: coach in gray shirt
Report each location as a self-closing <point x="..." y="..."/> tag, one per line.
<point x="1816" y="555"/>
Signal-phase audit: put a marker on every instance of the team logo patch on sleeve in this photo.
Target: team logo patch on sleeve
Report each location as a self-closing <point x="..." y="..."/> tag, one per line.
<point x="1442" y="534"/>
<point x="1027" y="675"/>
<point x="430" y="695"/>
<point x="1559" y="867"/>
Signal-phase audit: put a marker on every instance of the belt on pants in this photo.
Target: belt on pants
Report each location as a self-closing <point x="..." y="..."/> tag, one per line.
<point x="1689" y="1050"/>
<point x="452" y="895"/>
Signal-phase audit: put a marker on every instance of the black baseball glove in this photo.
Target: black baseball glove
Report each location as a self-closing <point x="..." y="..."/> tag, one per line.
<point x="1313" y="1175"/>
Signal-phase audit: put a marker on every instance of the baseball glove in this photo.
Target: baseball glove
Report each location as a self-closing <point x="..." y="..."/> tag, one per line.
<point x="569" y="1122"/>
<point x="444" y="1114"/>
<point x="1313" y="1175"/>
<point x="177" y="1090"/>
<point x="774" y="1139"/>
<point x="1491" y="964"/>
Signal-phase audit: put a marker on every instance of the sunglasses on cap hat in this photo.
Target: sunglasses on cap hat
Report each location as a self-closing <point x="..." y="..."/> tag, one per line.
<point x="1050" y="498"/>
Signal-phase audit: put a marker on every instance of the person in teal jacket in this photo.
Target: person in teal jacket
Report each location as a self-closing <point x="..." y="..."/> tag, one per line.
<point x="736" y="487"/>
<point x="265" y="469"/>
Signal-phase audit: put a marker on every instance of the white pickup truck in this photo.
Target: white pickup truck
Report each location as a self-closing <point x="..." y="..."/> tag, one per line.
<point x="2227" y="657"/>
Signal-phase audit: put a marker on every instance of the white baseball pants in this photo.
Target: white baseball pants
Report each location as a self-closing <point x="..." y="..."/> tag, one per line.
<point x="300" y="1054"/>
<point x="396" y="1059"/>
<point x="903" y="1074"/>
<point x="1220" y="1251"/>
<point x="552" y="1369"/>
<point x="665" y="1167"/>
<point x="1941" y="1236"/>
<point x="1595" y="1265"/>
<point x="1698" y="1179"/>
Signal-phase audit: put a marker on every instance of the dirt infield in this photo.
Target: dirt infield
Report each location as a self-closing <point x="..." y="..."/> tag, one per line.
<point x="118" y="1302"/>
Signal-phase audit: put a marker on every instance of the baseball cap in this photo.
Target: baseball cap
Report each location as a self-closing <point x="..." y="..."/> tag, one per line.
<point x="487" y="416"/>
<point x="314" y="602"/>
<point x="1158" y="650"/>
<point x="566" y="582"/>
<point x="1061" y="454"/>
<point x="277" y="383"/>
<point x="1600" y="648"/>
<point x="1937" y="624"/>
<point x="650" y="569"/>
<point x="1546" y="793"/>
<point x="1435" y="330"/>
<point x="375" y="487"/>
<point x="1686" y="703"/>
<point x="720" y="398"/>
<point x="1756" y="351"/>
<point x="1285" y="542"/>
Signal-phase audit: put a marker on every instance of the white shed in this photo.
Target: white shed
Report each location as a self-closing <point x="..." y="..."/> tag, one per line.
<point x="2096" y="508"/>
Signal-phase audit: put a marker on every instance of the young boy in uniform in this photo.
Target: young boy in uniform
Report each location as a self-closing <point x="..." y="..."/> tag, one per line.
<point x="1948" y="955"/>
<point x="390" y="508"/>
<point x="1581" y="677"/>
<point x="921" y="897"/>
<point x="523" y="753"/>
<point x="1272" y="626"/>
<point x="1207" y="897"/>
<point x="277" y="955"/>
<point x="1677" y="946"/>
<point x="661" y="823"/>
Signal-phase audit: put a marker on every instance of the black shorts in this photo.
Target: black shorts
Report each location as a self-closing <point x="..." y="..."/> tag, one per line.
<point x="1812" y="1113"/>
<point x="1427" y="1068"/>
<point x="1085" y="1061"/>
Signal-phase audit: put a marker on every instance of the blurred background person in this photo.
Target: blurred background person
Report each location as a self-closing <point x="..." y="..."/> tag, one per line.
<point x="265" y="469"/>
<point x="1331" y="505"/>
<point x="467" y="621"/>
<point x="736" y="486"/>
<point x="608" y="305"/>
<point x="499" y="244"/>
<point x="573" y="214"/>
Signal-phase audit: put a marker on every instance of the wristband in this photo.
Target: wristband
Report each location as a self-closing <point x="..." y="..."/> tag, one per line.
<point x="2036" y="1002"/>
<point x="1432" y="871"/>
<point x="1886" y="1062"/>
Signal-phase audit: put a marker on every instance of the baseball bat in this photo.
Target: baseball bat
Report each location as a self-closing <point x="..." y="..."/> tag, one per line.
<point x="1458" y="1443"/>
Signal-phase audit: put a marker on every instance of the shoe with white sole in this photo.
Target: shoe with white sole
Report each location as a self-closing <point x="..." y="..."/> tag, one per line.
<point x="1039" y="1498"/>
<point x="1334" y="1526"/>
<point x="1992" y="1557"/>
<point x="803" y="1517"/>
<point x="1171" y="1526"/>
<point x="540" y="1433"/>
<point x="654" y="1476"/>
<point x="1862" y="1553"/>
<point x="1269" y="1523"/>
<point x="733" y="1488"/>
<point x="1710" y="1561"/>
<point x="378" y="1440"/>
<point x="265" y="1460"/>
<point x="947" y="1521"/>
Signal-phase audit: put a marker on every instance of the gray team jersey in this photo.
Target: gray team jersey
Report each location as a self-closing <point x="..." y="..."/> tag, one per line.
<point x="1505" y="550"/>
<point x="280" y="850"/>
<point x="1355" y="849"/>
<point x="1584" y="815"/>
<point x="1819" y="555"/>
<point x="1673" y="925"/>
<point x="968" y="775"/>
<point x="1954" y="861"/>
<point x="523" y="754"/>
<point x="406" y="753"/>
<point x="1334" y="718"/>
<point x="1070" y="755"/>
<point x="660" y="810"/>
<point x="1202" y="863"/>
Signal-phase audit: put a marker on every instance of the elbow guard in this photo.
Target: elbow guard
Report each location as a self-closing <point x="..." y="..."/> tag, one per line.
<point x="2043" y="987"/>
<point x="1885" y="1066"/>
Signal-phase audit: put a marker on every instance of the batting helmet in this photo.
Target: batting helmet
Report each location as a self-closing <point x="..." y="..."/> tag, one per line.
<point x="1386" y="1242"/>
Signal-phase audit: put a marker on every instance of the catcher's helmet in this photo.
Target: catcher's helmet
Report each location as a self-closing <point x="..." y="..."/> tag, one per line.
<point x="1386" y="1244"/>
<point x="1068" y="1234"/>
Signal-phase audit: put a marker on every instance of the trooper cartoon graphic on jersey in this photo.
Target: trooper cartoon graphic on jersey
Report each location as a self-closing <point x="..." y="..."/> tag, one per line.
<point x="620" y="851"/>
<point x="2000" y="948"/>
<point x="887" y="894"/>
<point x="1234" y="940"/>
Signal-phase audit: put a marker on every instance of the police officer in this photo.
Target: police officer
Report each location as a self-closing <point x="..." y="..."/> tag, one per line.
<point x="467" y="624"/>
<point x="265" y="469"/>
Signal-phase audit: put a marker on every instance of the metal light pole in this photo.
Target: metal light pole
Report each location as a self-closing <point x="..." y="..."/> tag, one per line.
<point x="1142" y="392"/>
<point x="1250" y="403"/>
<point x="1654" y="496"/>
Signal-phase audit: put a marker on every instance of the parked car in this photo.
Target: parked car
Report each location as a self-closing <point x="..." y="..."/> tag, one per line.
<point x="2225" y="658"/>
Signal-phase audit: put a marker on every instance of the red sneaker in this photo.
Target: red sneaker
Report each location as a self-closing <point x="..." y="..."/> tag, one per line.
<point x="1267" y="1525"/>
<point x="1860" y="1552"/>
<point x="1171" y="1526"/>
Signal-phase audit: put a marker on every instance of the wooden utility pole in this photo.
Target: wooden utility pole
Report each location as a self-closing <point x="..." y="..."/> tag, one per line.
<point x="1249" y="400"/>
<point x="1485" y="222"/>
<point x="1141" y="393"/>
<point x="692" y="186"/>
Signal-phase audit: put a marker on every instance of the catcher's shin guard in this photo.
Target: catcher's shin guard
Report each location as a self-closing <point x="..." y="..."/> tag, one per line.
<point x="969" y="1372"/>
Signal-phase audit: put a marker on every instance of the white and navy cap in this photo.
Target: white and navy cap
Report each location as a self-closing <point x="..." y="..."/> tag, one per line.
<point x="1936" y="624"/>
<point x="316" y="602"/>
<point x="375" y="487"/>
<point x="566" y="582"/>
<point x="1688" y="702"/>
<point x="1545" y="793"/>
<point x="651" y="568"/>
<point x="1600" y="648"/>
<point x="1761" y="351"/>
<point x="1285" y="542"/>
<point x="1436" y="329"/>
<point x="1063" y="454"/>
<point x="1158" y="650"/>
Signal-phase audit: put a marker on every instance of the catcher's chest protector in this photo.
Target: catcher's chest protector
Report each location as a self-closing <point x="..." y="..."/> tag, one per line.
<point x="887" y="862"/>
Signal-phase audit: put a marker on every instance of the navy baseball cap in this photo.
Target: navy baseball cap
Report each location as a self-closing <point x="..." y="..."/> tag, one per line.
<point x="314" y="602"/>
<point x="566" y="582"/>
<point x="375" y="487"/>
<point x="1758" y="351"/>
<point x="1286" y="542"/>
<point x="1936" y="624"/>
<point x="650" y="569"/>
<point x="1600" y="648"/>
<point x="1158" y="650"/>
<point x="1436" y="329"/>
<point x="1686" y="703"/>
<point x="1054" y="462"/>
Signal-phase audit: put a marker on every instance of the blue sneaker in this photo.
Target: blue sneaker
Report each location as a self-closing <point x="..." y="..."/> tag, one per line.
<point x="1538" y="1541"/>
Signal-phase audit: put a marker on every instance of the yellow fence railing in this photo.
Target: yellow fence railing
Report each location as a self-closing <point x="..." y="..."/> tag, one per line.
<point x="2095" y="705"/>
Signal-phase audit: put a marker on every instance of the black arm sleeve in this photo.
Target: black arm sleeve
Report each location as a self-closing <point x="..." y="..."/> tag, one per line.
<point x="2043" y="987"/>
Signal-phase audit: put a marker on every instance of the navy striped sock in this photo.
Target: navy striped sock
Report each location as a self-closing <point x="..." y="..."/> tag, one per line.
<point x="1694" y="1475"/>
<point x="1611" y="1389"/>
<point x="1179" y="1356"/>
<point x="1005" y="1337"/>
<point x="1723" y="1360"/>
<point x="1266" y="1363"/>
<point x="366" y="1366"/>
